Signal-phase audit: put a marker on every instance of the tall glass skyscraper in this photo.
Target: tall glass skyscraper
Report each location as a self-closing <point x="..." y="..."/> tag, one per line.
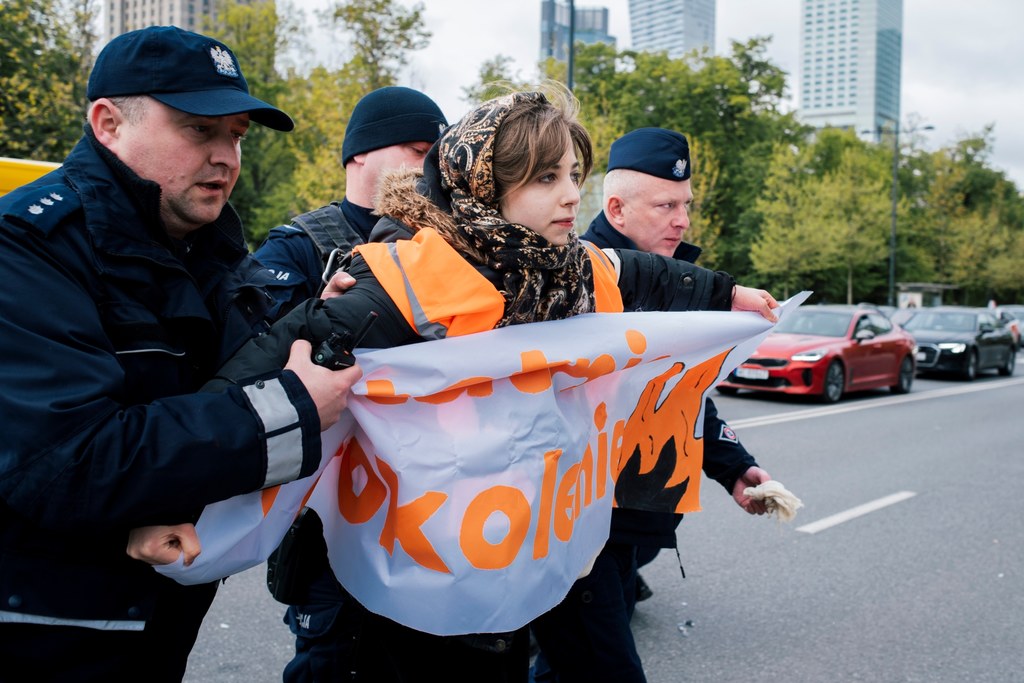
<point x="673" y="26"/>
<point x="591" y="26"/>
<point x="850" y="56"/>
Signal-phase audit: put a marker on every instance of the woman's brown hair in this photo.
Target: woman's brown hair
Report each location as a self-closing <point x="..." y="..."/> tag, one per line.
<point x="533" y="137"/>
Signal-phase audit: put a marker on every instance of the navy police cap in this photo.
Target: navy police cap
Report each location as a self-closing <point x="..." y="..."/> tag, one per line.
<point x="658" y="152"/>
<point x="184" y="70"/>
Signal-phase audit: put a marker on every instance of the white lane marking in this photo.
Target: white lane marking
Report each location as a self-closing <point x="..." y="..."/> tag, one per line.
<point x="853" y="513"/>
<point x="872" y="403"/>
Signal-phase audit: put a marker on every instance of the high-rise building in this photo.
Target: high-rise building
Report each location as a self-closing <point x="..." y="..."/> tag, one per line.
<point x="672" y="26"/>
<point x="591" y="26"/>
<point x="850" y="55"/>
<point x="122" y="16"/>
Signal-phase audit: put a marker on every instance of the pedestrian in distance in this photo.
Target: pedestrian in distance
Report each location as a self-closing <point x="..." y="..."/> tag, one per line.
<point x="129" y="285"/>
<point x="587" y="638"/>
<point x="495" y="209"/>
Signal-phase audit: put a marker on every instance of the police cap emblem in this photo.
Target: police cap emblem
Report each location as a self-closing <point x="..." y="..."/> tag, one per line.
<point x="223" y="62"/>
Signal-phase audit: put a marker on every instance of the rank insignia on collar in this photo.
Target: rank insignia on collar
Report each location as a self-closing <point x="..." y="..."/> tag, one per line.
<point x="223" y="61"/>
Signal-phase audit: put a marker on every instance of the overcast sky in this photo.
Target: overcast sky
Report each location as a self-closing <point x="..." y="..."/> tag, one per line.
<point x="962" y="61"/>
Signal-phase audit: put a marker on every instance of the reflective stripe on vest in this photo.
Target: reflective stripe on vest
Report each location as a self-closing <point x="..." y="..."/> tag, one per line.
<point x="440" y="293"/>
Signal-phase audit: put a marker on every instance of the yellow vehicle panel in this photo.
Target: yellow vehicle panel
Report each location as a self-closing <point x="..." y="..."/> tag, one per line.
<point x="16" y="172"/>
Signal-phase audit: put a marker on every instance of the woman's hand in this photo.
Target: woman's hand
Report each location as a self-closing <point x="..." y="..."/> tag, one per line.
<point x="337" y="285"/>
<point x="757" y="300"/>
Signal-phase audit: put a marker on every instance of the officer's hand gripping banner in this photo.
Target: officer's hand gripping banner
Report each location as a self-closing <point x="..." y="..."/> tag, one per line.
<point x="472" y="479"/>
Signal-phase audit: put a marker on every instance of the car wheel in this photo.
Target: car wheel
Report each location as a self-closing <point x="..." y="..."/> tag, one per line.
<point x="835" y="382"/>
<point x="1011" y="362"/>
<point x="970" y="371"/>
<point x="727" y="391"/>
<point x="905" y="378"/>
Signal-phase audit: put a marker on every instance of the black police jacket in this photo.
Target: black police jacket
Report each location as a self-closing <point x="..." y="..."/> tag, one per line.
<point x="108" y="328"/>
<point x="725" y="458"/>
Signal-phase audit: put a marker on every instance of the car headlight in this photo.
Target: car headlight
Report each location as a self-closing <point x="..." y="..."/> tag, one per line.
<point x="809" y="356"/>
<point x="953" y="348"/>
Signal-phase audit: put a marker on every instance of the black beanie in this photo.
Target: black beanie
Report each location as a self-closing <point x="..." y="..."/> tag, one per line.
<point x="391" y="116"/>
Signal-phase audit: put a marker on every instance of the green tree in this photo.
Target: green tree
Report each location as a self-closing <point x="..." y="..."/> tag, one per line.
<point x="790" y="246"/>
<point x="258" y="34"/>
<point x="46" y="51"/>
<point x="385" y="33"/>
<point x="731" y="105"/>
<point x="853" y="208"/>
<point x="970" y="222"/>
<point x="493" y="78"/>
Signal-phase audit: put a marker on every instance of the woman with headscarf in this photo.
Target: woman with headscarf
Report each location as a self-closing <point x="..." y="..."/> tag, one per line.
<point x="483" y="238"/>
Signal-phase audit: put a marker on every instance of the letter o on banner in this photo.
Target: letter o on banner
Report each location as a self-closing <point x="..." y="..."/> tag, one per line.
<point x="480" y="552"/>
<point x="358" y="508"/>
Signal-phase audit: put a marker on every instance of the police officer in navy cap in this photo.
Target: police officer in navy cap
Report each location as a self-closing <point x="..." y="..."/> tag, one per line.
<point x="587" y="637"/>
<point x="128" y="284"/>
<point x="388" y="128"/>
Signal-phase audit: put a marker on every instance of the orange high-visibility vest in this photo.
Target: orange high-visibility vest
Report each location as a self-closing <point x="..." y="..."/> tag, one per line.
<point x="441" y="294"/>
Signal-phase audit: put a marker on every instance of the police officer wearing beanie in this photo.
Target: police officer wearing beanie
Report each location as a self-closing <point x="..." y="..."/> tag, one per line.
<point x="389" y="128"/>
<point x="587" y="638"/>
<point x="128" y="284"/>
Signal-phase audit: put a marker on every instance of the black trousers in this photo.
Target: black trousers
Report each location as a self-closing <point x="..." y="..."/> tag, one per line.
<point x="586" y="638"/>
<point x="70" y="654"/>
<point x="337" y="639"/>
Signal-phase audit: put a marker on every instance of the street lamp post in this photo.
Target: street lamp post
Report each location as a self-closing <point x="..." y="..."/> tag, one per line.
<point x="895" y="203"/>
<point x="572" y="43"/>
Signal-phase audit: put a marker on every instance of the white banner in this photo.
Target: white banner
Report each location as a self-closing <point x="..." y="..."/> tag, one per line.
<point x="477" y="479"/>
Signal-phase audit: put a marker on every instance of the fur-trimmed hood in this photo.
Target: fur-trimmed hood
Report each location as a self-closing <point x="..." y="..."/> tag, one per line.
<point x="398" y="198"/>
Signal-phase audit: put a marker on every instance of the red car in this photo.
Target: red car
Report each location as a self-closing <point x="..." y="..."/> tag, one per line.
<point x="826" y="351"/>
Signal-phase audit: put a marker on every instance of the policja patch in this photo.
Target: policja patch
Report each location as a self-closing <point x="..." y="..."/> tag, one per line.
<point x="727" y="434"/>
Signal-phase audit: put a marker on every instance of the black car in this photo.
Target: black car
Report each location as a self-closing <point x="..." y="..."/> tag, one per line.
<point x="961" y="340"/>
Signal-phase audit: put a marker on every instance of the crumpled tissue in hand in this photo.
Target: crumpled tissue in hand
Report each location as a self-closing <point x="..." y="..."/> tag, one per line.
<point x="777" y="499"/>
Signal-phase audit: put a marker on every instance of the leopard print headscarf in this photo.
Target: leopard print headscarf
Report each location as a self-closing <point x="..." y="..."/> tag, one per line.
<point x="541" y="281"/>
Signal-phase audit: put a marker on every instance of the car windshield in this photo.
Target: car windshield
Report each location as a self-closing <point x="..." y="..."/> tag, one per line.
<point x="824" y="323"/>
<point x="942" y="322"/>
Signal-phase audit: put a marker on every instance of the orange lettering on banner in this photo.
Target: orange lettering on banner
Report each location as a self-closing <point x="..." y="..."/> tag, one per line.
<point x="637" y="344"/>
<point x="615" y="449"/>
<point x="600" y="419"/>
<point x="534" y="377"/>
<point x="587" y="474"/>
<point x="480" y="552"/>
<point x="541" y="539"/>
<point x="358" y="506"/>
<point x="382" y="391"/>
<point x="268" y="497"/>
<point x="567" y="503"/>
<point x="403" y="523"/>
<point x="661" y="415"/>
<point x="475" y="387"/>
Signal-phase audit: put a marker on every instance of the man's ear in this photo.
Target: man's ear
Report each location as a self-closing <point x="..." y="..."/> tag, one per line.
<point x="613" y="211"/>
<point x="105" y="119"/>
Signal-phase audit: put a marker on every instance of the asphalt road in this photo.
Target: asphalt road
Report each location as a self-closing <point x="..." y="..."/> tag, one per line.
<point x="926" y="587"/>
